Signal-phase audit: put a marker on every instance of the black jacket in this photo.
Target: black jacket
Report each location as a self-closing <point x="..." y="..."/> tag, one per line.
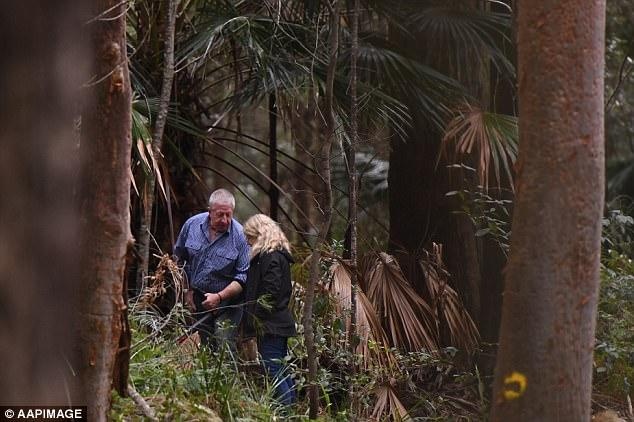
<point x="269" y="274"/>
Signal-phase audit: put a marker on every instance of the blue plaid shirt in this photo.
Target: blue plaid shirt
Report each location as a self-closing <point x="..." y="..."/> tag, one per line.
<point x="212" y="266"/>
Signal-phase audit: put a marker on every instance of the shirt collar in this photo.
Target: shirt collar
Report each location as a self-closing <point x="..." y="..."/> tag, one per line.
<point x="206" y="226"/>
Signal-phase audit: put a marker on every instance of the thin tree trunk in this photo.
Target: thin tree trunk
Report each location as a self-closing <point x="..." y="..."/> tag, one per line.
<point x="322" y="167"/>
<point x="504" y="101"/>
<point x="354" y="140"/>
<point x="307" y="134"/>
<point x="544" y="368"/>
<point x="43" y="66"/>
<point x="352" y="177"/>
<point x="274" y="193"/>
<point x="157" y="144"/>
<point x="104" y="204"/>
<point x="351" y="249"/>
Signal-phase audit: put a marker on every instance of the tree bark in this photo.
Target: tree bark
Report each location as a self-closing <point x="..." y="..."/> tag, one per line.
<point x="157" y="145"/>
<point x="322" y="168"/>
<point x="351" y="152"/>
<point x="104" y="205"/>
<point x="504" y="101"/>
<point x="307" y="134"/>
<point x="43" y="66"/>
<point x="274" y="193"/>
<point x="544" y="368"/>
<point x="419" y="210"/>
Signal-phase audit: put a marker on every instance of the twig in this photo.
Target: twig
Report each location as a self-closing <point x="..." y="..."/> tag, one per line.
<point x="463" y="402"/>
<point x="141" y="404"/>
<point x="623" y="74"/>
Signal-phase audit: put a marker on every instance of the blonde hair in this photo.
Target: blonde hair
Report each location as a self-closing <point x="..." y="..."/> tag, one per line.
<point x="267" y="234"/>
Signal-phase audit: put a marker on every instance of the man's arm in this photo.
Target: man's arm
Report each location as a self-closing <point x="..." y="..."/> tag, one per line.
<point x="212" y="300"/>
<point x="237" y="285"/>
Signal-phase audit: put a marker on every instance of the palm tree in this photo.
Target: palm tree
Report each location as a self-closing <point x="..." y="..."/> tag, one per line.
<point x="232" y="57"/>
<point x="421" y="213"/>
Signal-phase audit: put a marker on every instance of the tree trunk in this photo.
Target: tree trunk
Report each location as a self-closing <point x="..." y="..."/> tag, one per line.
<point x="419" y="210"/>
<point x="544" y="369"/>
<point x="274" y="193"/>
<point x="307" y="133"/>
<point x="504" y="101"/>
<point x="104" y="205"/>
<point x="322" y="168"/>
<point x="157" y="146"/>
<point x="43" y="66"/>
<point x="352" y="173"/>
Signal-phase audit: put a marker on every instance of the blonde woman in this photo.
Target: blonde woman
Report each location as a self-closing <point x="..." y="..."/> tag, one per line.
<point x="268" y="294"/>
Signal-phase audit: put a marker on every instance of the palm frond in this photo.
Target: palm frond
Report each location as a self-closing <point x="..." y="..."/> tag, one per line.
<point x="471" y="34"/>
<point x="491" y="137"/>
<point x="381" y="65"/>
<point x="372" y="338"/>
<point x="408" y="320"/>
<point x="388" y="405"/>
<point x="453" y="317"/>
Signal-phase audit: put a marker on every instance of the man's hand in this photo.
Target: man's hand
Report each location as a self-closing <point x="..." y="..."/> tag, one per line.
<point x="212" y="301"/>
<point x="188" y="299"/>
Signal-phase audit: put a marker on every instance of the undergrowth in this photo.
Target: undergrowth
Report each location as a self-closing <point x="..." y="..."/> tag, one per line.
<point x="614" y="349"/>
<point x="182" y="382"/>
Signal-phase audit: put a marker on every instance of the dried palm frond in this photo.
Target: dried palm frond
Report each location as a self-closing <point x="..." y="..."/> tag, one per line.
<point x="296" y="302"/>
<point x="388" y="405"/>
<point x="493" y="137"/>
<point x="341" y="288"/>
<point x="408" y="320"/>
<point x="187" y="351"/>
<point x="167" y="275"/>
<point x="372" y="339"/>
<point x="462" y="331"/>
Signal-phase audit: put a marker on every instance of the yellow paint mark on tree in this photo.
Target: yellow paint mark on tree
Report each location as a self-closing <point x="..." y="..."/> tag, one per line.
<point x="514" y="385"/>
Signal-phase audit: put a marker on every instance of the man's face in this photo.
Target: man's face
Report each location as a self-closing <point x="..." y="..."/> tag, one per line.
<point x="220" y="216"/>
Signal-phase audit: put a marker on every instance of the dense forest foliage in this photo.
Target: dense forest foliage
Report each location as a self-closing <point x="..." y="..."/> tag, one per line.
<point x="403" y="149"/>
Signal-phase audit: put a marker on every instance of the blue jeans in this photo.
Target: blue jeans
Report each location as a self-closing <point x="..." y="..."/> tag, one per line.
<point x="273" y="350"/>
<point x="221" y="328"/>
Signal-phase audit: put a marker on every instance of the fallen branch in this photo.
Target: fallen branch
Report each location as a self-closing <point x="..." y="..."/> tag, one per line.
<point x="213" y="416"/>
<point x="141" y="404"/>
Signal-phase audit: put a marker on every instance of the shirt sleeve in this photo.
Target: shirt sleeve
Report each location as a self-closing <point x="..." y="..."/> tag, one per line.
<point x="242" y="263"/>
<point x="180" y="251"/>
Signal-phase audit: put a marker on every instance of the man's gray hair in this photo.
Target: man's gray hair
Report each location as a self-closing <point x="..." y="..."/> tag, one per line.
<point x="222" y="196"/>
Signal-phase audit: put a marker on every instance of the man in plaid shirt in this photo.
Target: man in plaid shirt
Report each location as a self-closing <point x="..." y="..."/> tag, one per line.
<point x="215" y="254"/>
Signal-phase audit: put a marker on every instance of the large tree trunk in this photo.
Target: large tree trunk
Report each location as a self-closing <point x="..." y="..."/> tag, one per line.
<point x="43" y="64"/>
<point x="105" y="200"/>
<point x="419" y="210"/>
<point x="544" y="369"/>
